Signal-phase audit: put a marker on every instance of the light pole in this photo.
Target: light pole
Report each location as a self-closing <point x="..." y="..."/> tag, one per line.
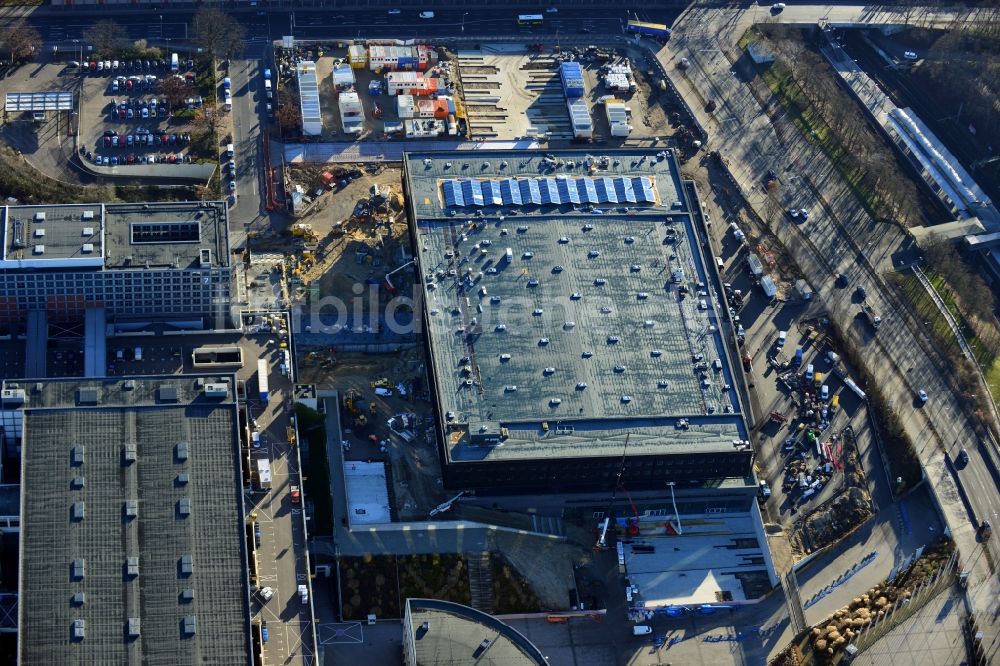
<point x="463" y="21"/>
<point x="677" y="516"/>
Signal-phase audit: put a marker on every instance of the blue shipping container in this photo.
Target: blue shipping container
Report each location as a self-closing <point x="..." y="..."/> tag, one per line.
<point x="572" y="79"/>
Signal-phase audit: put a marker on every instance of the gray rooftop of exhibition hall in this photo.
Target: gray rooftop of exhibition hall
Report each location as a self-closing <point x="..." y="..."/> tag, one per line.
<point x="583" y="324"/>
<point x="125" y="236"/>
<point x="133" y="510"/>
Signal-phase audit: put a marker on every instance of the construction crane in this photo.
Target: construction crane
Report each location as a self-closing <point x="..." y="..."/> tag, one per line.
<point x="602" y="539"/>
<point x="389" y="285"/>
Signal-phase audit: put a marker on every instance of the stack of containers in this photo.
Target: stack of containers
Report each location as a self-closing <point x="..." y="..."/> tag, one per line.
<point x="572" y="79"/>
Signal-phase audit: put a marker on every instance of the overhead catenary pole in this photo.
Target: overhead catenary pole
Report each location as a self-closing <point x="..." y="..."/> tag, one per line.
<point x="677" y="515"/>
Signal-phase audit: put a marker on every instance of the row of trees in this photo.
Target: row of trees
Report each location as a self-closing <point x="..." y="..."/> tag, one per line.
<point x="213" y="31"/>
<point x="867" y="158"/>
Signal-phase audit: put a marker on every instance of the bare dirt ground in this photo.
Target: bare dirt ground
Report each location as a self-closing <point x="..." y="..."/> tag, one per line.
<point x="415" y="466"/>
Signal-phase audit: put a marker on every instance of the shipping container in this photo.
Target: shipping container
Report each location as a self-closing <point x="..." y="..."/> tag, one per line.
<point x="262" y="379"/>
<point x="579" y="117"/>
<point x="572" y="80"/>
<point x="767" y="284"/>
<point x="264" y="473"/>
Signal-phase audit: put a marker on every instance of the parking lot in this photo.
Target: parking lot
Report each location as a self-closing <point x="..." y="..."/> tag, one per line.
<point x="140" y="112"/>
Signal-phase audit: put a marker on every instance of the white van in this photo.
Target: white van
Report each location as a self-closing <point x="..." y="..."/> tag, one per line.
<point x="267" y="88"/>
<point x="230" y="150"/>
<point x="824" y="392"/>
<point x="782" y="336"/>
<point x="720" y="264"/>
<point x="175" y="64"/>
<point x="809" y="372"/>
<point x="256" y="439"/>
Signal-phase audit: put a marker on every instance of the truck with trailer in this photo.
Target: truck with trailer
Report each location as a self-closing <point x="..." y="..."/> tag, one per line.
<point x="264" y="473"/>
<point x="871" y="314"/>
<point x="648" y="29"/>
<point x="262" y="379"/>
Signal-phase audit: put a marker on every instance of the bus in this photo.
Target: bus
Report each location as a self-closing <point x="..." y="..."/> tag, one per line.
<point x="648" y="29"/>
<point x="530" y="19"/>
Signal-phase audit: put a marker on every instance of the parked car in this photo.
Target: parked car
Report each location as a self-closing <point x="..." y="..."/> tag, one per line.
<point x="910" y="55"/>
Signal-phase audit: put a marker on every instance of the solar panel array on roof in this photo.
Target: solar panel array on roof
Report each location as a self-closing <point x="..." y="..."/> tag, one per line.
<point x="538" y="191"/>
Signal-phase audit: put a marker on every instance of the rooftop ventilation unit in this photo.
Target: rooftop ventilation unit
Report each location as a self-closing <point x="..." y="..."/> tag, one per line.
<point x="181" y="451"/>
<point x="87" y="248"/>
<point x="184" y="507"/>
<point x="205" y="256"/>
<point x="79" y="568"/>
<point x="79" y="629"/>
<point x="12" y="396"/>
<point x="187" y="595"/>
<point x="131" y="509"/>
<point x="190" y="625"/>
<point x="78" y="598"/>
<point x="186" y="565"/>
<point x="39" y="233"/>
<point x="88" y="231"/>
<point x="77" y="483"/>
<point x="132" y="567"/>
<point x="39" y="217"/>
<point x="78" y="511"/>
<point x="216" y="390"/>
<point x="76" y="455"/>
<point x="168" y="393"/>
<point x="87" y="396"/>
<point x="133" y="627"/>
<point x="88" y="215"/>
<point x="129" y="453"/>
<point x="39" y="249"/>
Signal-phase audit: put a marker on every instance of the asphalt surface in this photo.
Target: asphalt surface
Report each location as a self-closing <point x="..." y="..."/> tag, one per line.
<point x="839" y="238"/>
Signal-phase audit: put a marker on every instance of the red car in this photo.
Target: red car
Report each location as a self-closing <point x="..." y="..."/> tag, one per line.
<point x="131" y="158"/>
<point x="107" y="142"/>
<point x="164" y="139"/>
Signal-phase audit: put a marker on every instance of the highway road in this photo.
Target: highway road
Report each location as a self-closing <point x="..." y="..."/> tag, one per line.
<point x="839" y="237"/>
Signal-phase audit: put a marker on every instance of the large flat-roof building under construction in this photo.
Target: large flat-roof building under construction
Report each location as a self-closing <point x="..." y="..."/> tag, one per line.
<point x="569" y="310"/>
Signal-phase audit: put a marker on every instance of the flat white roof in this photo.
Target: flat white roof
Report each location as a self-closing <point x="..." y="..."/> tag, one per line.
<point x="367" y="493"/>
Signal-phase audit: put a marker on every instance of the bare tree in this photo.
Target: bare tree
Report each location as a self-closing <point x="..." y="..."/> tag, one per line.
<point x="21" y="41"/>
<point x="106" y="36"/>
<point x="176" y="90"/>
<point x="218" y="33"/>
<point x="206" y="120"/>
<point x="289" y="117"/>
